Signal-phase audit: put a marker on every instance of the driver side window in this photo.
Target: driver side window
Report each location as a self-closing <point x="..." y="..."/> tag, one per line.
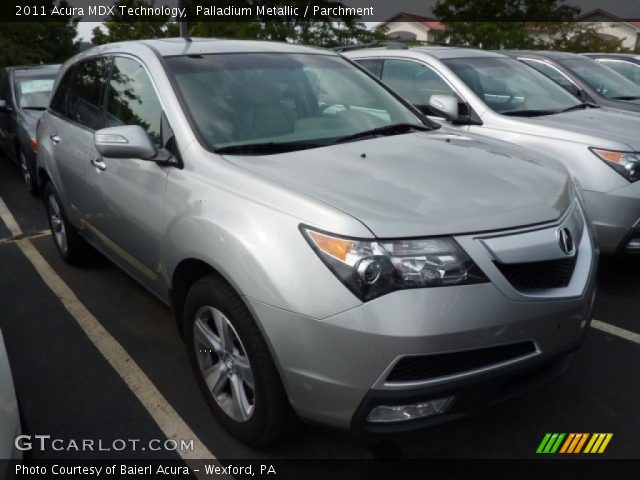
<point x="415" y="82"/>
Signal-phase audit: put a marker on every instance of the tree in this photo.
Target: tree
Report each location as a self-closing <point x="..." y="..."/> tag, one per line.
<point x="120" y="29"/>
<point x="38" y="42"/>
<point x="495" y="24"/>
<point x="580" y="37"/>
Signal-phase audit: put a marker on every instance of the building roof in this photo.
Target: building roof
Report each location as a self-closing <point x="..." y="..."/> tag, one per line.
<point x="430" y="23"/>
<point x="598" y="12"/>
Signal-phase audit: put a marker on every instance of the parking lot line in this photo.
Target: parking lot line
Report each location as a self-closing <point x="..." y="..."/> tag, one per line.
<point x="617" y="331"/>
<point x="167" y="419"/>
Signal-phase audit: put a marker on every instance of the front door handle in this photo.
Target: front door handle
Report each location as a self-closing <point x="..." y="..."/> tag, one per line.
<point x="99" y="164"/>
<point x="55" y="138"/>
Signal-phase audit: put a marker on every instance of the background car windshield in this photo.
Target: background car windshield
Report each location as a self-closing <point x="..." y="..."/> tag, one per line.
<point x="606" y="82"/>
<point x="508" y="86"/>
<point x="237" y="99"/>
<point x="33" y="91"/>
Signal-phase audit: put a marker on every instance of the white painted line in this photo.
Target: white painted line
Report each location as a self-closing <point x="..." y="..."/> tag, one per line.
<point x="9" y="221"/>
<point x="169" y="421"/>
<point x="617" y="331"/>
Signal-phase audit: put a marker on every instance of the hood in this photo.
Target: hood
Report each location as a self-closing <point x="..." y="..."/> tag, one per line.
<point x="428" y="183"/>
<point x="598" y="127"/>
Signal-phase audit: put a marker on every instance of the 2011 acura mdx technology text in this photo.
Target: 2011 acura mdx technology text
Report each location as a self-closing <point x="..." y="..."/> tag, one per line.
<point x="494" y="95"/>
<point x="327" y="250"/>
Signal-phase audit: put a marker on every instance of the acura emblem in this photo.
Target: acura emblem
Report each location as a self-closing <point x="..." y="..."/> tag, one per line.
<point x="565" y="241"/>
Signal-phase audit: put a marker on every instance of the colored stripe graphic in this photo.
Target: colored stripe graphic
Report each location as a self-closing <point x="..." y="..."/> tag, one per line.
<point x="573" y="443"/>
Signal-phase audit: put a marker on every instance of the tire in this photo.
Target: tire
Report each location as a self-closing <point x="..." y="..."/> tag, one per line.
<point x="73" y="249"/>
<point x="28" y="173"/>
<point x="256" y="417"/>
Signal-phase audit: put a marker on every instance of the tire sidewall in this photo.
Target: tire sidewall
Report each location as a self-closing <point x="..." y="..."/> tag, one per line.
<point x="198" y="297"/>
<point x="32" y="185"/>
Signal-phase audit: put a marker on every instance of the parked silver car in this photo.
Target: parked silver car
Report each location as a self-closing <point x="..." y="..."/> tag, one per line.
<point x="24" y="95"/>
<point x="327" y="250"/>
<point x="9" y="414"/>
<point x="497" y="96"/>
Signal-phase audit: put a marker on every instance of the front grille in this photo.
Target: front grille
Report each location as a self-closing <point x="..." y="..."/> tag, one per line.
<point x="426" y="367"/>
<point x="539" y="275"/>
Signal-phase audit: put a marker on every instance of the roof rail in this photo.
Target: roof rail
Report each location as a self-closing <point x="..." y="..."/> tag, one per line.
<point x="391" y="44"/>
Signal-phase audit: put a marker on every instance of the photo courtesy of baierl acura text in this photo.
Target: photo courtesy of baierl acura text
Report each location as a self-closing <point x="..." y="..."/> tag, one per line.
<point x="319" y="239"/>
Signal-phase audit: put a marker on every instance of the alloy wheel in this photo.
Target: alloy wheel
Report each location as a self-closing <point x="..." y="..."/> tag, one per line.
<point x="26" y="174"/>
<point x="224" y="364"/>
<point x="57" y="223"/>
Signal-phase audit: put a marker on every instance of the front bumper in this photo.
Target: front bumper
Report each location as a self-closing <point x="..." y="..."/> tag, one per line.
<point x="333" y="368"/>
<point x="615" y="216"/>
<point x="336" y="369"/>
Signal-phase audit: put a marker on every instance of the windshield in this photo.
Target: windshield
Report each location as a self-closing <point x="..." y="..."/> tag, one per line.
<point x="258" y="98"/>
<point x="33" y="92"/>
<point x="510" y="87"/>
<point x="605" y="81"/>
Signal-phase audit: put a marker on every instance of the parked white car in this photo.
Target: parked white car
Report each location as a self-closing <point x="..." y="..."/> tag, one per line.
<point x="9" y="415"/>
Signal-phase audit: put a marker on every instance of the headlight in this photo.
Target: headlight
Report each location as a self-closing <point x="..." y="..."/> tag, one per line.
<point x="626" y="164"/>
<point x="373" y="268"/>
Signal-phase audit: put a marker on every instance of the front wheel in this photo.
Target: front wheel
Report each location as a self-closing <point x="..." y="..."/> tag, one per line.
<point x="233" y="365"/>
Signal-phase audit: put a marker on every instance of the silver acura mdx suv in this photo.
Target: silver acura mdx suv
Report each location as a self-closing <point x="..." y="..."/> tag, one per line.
<point x="329" y="253"/>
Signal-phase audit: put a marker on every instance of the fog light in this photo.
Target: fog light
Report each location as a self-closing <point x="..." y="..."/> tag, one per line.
<point x="401" y="413"/>
<point x="634" y="244"/>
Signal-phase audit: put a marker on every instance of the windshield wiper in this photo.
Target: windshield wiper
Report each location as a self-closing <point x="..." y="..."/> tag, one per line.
<point x="580" y="106"/>
<point x="270" y="147"/>
<point x="395" y="129"/>
<point x="529" y="113"/>
<point x="33" y="108"/>
<point x="629" y="97"/>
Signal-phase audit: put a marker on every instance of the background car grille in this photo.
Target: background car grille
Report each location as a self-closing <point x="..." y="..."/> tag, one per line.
<point x="539" y="275"/>
<point x="426" y="367"/>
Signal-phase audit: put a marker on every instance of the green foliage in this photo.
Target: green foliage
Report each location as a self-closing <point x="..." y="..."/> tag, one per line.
<point x="38" y="42"/>
<point x="495" y="24"/>
<point x="118" y="30"/>
<point x="580" y="37"/>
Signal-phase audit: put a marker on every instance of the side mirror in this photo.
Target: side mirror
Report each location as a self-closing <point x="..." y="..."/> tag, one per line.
<point x="4" y="105"/>
<point x="445" y="105"/>
<point x="128" y="141"/>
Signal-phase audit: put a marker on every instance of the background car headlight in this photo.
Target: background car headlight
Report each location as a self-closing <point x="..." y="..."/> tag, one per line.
<point x="626" y="164"/>
<point x="373" y="268"/>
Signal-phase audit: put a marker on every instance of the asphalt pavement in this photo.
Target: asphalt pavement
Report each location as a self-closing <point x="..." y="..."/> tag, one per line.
<point x="69" y="390"/>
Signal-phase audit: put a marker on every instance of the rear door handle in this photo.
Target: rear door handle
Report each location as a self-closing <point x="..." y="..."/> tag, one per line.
<point x="99" y="164"/>
<point x="55" y="138"/>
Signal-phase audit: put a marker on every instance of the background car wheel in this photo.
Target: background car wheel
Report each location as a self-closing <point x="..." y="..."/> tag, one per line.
<point x="70" y="245"/>
<point x="28" y="173"/>
<point x="233" y="365"/>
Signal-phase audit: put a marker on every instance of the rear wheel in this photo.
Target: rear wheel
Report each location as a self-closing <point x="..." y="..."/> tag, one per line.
<point x="70" y="245"/>
<point x="28" y="174"/>
<point x="233" y="365"/>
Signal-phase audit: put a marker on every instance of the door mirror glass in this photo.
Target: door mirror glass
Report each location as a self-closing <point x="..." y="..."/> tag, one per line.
<point x="128" y="141"/>
<point x="445" y="105"/>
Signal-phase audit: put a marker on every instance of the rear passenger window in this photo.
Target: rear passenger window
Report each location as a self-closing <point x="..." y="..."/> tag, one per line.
<point x="84" y="104"/>
<point x="59" y="99"/>
<point x="372" y="64"/>
<point x="132" y="100"/>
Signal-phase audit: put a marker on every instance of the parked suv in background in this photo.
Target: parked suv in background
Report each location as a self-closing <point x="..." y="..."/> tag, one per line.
<point x="497" y="96"/>
<point x="626" y="64"/>
<point x="326" y="249"/>
<point x="24" y="95"/>
<point x="590" y="81"/>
